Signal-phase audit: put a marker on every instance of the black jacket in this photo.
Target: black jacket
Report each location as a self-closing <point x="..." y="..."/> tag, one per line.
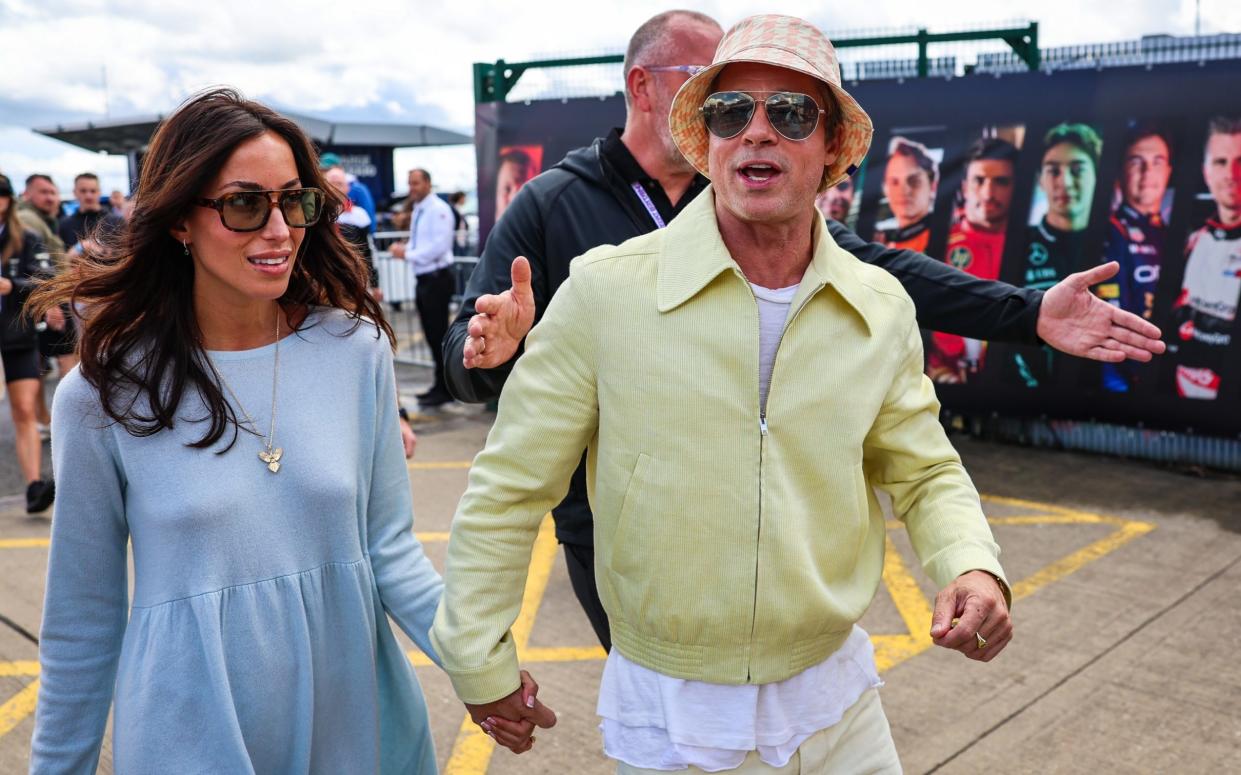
<point x="16" y="331"/>
<point x="583" y="202"/>
<point x="76" y="227"/>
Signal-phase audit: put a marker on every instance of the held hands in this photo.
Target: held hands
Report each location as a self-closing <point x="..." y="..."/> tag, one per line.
<point x="975" y="598"/>
<point x="501" y="322"/>
<point x="1075" y="321"/>
<point x="511" y="720"/>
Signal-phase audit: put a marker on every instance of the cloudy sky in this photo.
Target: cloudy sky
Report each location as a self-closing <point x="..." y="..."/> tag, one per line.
<point x="403" y="61"/>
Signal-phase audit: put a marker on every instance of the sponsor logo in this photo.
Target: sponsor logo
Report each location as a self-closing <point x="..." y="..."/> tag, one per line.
<point x="1202" y="384"/>
<point x="1146" y="273"/>
<point x="1213" y="338"/>
<point x="961" y="257"/>
<point x="1217" y="308"/>
<point x="1038" y="254"/>
<point x="1186" y="331"/>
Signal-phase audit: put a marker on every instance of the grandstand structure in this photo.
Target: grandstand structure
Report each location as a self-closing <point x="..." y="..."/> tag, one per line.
<point x="885" y="55"/>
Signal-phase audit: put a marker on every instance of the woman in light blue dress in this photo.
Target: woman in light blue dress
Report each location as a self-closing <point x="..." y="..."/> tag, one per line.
<point x="234" y="418"/>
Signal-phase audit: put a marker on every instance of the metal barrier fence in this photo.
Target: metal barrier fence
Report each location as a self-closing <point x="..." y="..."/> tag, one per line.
<point x="1150" y="50"/>
<point x="1169" y="447"/>
<point x="398" y="284"/>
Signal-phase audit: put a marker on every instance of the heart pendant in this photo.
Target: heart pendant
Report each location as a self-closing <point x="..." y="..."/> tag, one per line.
<point x="273" y="466"/>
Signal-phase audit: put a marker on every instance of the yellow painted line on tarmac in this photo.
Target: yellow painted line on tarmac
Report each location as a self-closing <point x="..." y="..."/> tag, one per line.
<point x="20" y="668"/>
<point x="1052" y="519"/>
<point x="891" y="650"/>
<point x="439" y="465"/>
<point x="471" y="753"/>
<point x="563" y="654"/>
<point x="18" y="707"/>
<point x="1129" y="530"/>
<point x="533" y="656"/>
<point x="24" y="543"/>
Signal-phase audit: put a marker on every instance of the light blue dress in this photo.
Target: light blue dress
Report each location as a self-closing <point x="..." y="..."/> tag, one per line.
<point x="257" y="640"/>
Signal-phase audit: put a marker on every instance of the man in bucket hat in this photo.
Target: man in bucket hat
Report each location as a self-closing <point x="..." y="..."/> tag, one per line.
<point x="635" y="181"/>
<point x="742" y="383"/>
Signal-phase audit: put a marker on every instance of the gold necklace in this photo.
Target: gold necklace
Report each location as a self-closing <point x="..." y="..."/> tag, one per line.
<point x="270" y="454"/>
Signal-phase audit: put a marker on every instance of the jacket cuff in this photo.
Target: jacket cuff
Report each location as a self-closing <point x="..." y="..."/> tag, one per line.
<point x="495" y="680"/>
<point x="1031" y="313"/>
<point x="966" y="556"/>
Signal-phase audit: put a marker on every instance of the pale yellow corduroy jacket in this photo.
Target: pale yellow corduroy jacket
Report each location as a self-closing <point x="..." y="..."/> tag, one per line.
<point x="730" y="546"/>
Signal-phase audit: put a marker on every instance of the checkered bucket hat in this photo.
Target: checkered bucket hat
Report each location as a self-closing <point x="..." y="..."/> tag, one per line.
<point x="782" y="41"/>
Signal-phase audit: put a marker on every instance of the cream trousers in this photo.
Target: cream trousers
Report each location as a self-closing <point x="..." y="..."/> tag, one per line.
<point x="859" y="744"/>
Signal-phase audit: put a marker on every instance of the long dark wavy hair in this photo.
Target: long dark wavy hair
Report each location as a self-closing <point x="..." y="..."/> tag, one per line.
<point x="139" y="342"/>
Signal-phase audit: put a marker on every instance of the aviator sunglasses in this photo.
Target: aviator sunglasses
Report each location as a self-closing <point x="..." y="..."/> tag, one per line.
<point x="793" y="115"/>
<point x="250" y="210"/>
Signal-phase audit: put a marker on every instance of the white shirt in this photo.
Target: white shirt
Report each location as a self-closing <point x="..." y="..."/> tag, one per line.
<point x="430" y="235"/>
<point x="773" y="313"/>
<point x="657" y="722"/>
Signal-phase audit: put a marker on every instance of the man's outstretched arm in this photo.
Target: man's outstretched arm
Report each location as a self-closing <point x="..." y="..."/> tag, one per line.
<point x="1067" y="317"/>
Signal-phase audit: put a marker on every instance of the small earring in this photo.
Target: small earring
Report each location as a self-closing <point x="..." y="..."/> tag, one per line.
<point x="186" y="245"/>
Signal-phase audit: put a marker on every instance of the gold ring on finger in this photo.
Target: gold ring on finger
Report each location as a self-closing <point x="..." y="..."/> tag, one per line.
<point x="982" y="642"/>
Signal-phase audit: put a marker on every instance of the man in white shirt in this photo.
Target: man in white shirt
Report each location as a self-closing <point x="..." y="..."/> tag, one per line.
<point x="429" y="255"/>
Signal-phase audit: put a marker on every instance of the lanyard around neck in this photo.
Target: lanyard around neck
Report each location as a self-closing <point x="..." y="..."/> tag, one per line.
<point x="650" y="206"/>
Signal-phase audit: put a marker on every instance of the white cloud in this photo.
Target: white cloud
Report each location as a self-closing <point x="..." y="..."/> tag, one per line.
<point x="411" y="61"/>
<point x="23" y="153"/>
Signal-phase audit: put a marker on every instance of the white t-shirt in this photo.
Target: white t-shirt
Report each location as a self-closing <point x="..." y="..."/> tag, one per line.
<point x="657" y="722"/>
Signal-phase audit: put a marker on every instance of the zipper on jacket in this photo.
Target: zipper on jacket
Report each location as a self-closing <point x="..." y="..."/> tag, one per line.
<point x="758" y="536"/>
<point x="762" y="448"/>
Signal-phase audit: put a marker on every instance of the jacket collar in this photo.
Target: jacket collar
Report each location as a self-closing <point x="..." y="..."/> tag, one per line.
<point x="693" y="254"/>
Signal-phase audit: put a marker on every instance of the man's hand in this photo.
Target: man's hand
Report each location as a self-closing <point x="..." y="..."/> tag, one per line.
<point x="6" y="286"/>
<point x="501" y="322"/>
<point x="510" y="721"/>
<point x="977" y="600"/>
<point x="397" y="249"/>
<point x="408" y="438"/>
<point x="1074" y="320"/>
<point x="55" y="319"/>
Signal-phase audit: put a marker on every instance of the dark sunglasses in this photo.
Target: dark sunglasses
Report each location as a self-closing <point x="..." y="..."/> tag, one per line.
<point x="250" y="210"/>
<point x="793" y="115"/>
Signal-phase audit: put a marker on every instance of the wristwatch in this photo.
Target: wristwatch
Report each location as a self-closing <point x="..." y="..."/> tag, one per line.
<point x="404" y="414"/>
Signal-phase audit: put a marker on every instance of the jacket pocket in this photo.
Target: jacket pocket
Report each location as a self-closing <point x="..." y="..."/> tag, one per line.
<point x="624" y="558"/>
<point x="861" y="498"/>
